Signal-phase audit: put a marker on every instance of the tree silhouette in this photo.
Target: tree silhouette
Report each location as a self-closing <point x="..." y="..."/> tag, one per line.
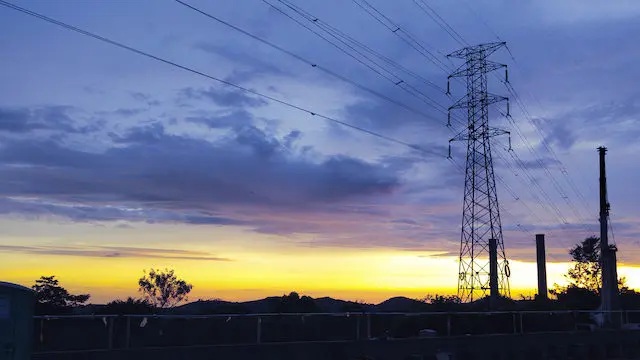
<point x="129" y="306"/>
<point x="162" y="289"/>
<point x="53" y="297"/>
<point x="585" y="277"/>
<point x="586" y="272"/>
<point x="442" y="299"/>
<point x="294" y="303"/>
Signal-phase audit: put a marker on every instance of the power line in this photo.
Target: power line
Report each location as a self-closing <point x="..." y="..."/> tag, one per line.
<point x="456" y="36"/>
<point x="350" y="45"/>
<point x="306" y="61"/>
<point x="361" y="57"/>
<point x="545" y="168"/>
<point x="563" y="169"/>
<point x="547" y="146"/>
<point x="502" y="208"/>
<point x="185" y="68"/>
<point x="507" y="187"/>
<point x="433" y="14"/>
<point x="354" y="45"/>
<point x="510" y="191"/>
<point x="486" y="25"/>
<point x="397" y="30"/>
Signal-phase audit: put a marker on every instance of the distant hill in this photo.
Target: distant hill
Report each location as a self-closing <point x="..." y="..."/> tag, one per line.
<point x="210" y="307"/>
<point x="293" y="303"/>
<point x="270" y="304"/>
<point x="265" y="305"/>
<point x="400" y="304"/>
<point x="327" y="304"/>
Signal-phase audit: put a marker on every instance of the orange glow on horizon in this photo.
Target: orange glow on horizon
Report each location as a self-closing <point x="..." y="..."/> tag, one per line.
<point x="370" y="276"/>
<point x="258" y="265"/>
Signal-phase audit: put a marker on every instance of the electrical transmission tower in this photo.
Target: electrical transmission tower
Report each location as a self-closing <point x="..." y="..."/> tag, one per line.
<point x="483" y="263"/>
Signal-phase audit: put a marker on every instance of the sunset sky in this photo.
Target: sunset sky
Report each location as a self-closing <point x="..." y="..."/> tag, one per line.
<point x="112" y="162"/>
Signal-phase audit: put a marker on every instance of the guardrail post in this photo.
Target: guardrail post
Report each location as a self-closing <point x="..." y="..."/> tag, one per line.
<point x="368" y="326"/>
<point x="448" y="324"/>
<point x="515" y="328"/>
<point x="128" y="333"/>
<point x="110" y="345"/>
<point x="521" y="326"/>
<point x="259" y="330"/>
<point x="358" y="327"/>
<point x="42" y="331"/>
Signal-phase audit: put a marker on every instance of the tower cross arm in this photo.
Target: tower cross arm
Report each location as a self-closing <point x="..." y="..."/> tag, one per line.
<point x="493" y="132"/>
<point x="465" y="102"/>
<point x="485" y="49"/>
<point x="464" y="135"/>
<point x="492" y="98"/>
<point x="465" y="70"/>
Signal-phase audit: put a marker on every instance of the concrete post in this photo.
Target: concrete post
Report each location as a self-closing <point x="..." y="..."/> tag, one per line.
<point x="493" y="273"/>
<point x="541" y="259"/>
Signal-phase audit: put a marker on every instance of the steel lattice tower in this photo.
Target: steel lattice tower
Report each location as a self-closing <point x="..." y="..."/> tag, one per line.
<point x="481" y="210"/>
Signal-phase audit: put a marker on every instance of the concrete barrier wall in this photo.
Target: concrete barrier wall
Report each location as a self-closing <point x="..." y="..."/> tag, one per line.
<point x="560" y="346"/>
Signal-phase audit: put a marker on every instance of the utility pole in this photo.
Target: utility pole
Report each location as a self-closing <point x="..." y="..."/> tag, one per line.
<point x="609" y="292"/>
<point x="481" y="210"/>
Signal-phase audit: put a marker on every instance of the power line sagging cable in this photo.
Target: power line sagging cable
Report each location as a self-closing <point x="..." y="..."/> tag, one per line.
<point x="363" y="54"/>
<point x="211" y="77"/>
<point x="433" y="14"/>
<point x="527" y="115"/>
<point x="306" y="61"/>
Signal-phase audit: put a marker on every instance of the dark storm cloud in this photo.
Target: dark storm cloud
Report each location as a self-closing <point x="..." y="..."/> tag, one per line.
<point x="173" y="173"/>
<point x="97" y="211"/>
<point x="25" y="120"/>
<point x="223" y="97"/>
<point x="128" y="112"/>
<point x="113" y="251"/>
<point x="18" y="121"/>
<point x="170" y="178"/>
<point x="378" y="113"/>
<point x="150" y="134"/>
<point x="234" y="119"/>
